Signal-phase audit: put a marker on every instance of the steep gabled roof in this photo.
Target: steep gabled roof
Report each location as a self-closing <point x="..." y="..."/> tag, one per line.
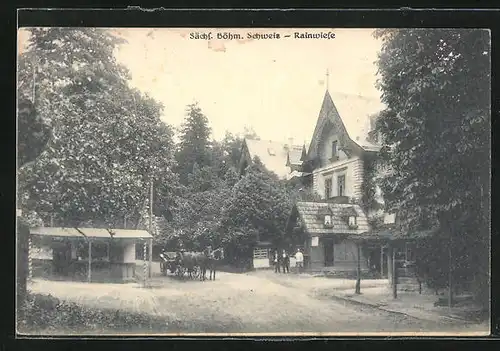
<point x="274" y="155"/>
<point x="355" y="113"/>
<point x="308" y="212"/>
<point x="295" y="154"/>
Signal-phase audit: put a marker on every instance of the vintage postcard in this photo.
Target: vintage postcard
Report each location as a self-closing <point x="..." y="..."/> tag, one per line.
<point x="251" y="182"/>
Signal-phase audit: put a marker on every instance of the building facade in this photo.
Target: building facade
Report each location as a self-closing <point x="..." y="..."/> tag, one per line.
<point x="337" y="160"/>
<point x="91" y="254"/>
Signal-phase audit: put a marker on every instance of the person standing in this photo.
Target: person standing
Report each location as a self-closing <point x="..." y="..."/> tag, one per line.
<point x="276" y="262"/>
<point x="286" y="262"/>
<point x="299" y="259"/>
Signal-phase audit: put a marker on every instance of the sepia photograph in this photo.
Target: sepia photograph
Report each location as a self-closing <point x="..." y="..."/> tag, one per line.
<point x="257" y="181"/>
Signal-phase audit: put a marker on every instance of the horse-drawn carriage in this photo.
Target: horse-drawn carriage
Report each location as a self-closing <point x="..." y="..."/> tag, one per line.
<point x="172" y="261"/>
<point x="195" y="264"/>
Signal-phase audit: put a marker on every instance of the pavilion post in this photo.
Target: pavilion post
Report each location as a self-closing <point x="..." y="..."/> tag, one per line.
<point x="382" y="261"/>
<point x="150" y="258"/>
<point x="30" y="262"/>
<point x="89" y="273"/>
<point x="389" y="263"/>
<point x="145" y="272"/>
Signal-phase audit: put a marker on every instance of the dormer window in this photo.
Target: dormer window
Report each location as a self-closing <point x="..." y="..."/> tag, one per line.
<point x="325" y="214"/>
<point x="328" y="221"/>
<point x="353" y="222"/>
<point x="351" y="217"/>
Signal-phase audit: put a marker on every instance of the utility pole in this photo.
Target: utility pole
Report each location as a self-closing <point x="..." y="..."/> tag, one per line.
<point x="450" y="273"/>
<point x="34" y="75"/>
<point x="151" y="207"/>
<point x="150" y="227"/>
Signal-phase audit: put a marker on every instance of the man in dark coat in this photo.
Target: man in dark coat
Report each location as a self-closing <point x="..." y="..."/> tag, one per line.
<point x="285" y="261"/>
<point x="276" y="262"/>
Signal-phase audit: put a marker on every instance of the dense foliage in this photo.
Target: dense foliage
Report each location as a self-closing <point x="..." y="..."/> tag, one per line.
<point x="107" y="142"/>
<point x="108" y="145"/>
<point x="195" y="146"/>
<point x="436" y="136"/>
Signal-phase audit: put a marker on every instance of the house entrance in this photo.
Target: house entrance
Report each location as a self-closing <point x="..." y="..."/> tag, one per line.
<point x="328" y="247"/>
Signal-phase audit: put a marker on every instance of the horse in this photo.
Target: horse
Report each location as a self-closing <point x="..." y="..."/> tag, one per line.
<point x="190" y="260"/>
<point x="212" y="258"/>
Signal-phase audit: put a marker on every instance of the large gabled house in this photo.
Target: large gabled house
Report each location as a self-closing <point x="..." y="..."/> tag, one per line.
<point x="336" y="160"/>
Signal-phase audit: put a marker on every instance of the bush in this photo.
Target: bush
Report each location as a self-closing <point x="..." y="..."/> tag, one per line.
<point x="47" y="312"/>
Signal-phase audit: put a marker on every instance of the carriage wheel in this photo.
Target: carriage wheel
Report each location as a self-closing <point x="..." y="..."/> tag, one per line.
<point x="180" y="271"/>
<point x="172" y="267"/>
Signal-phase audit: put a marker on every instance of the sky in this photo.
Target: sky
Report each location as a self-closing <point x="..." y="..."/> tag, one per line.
<point x="274" y="86"/>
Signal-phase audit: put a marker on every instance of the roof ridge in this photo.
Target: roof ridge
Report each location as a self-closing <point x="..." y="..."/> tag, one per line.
<point x="276" y="142"/>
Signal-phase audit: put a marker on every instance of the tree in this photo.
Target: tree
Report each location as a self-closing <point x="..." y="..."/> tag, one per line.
<point x="298" y="192"/>
<point x="108" y="141"/>
<point x="435" y="131"/>
<point x="256" y="209"/>
<point x="231" y="144"/>
<point x="33" y="133"/>
<point x="195" y="142"/>
<point x="33" y="136"/>
<point x="249" y="133"/>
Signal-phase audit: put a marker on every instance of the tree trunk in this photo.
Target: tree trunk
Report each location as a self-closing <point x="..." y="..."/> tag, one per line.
<point x="23" y="234"/>
<point x="89" y="273"/>
<point x="358" y="272"/>
<point x="382" y="261"/>
<point x="394" y="275"/>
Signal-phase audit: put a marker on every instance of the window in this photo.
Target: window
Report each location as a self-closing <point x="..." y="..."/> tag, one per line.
<point x="334" y="149"/>
<point x="341" y="185"/>
<point x="328" y="188"/>
<point x="353" y="222"/>
<point x="328" y="221"/>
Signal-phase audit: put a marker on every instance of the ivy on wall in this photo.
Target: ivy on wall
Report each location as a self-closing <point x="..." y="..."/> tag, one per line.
<point x="369" y="202"/>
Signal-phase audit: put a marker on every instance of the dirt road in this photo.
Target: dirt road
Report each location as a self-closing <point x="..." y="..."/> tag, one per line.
<point x="253" y="303"/>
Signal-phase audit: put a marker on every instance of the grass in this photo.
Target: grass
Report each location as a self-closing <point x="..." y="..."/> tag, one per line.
<point x="45" y="314"/>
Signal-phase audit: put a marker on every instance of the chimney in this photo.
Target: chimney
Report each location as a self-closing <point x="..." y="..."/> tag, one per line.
<point x="290" y="142"/>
